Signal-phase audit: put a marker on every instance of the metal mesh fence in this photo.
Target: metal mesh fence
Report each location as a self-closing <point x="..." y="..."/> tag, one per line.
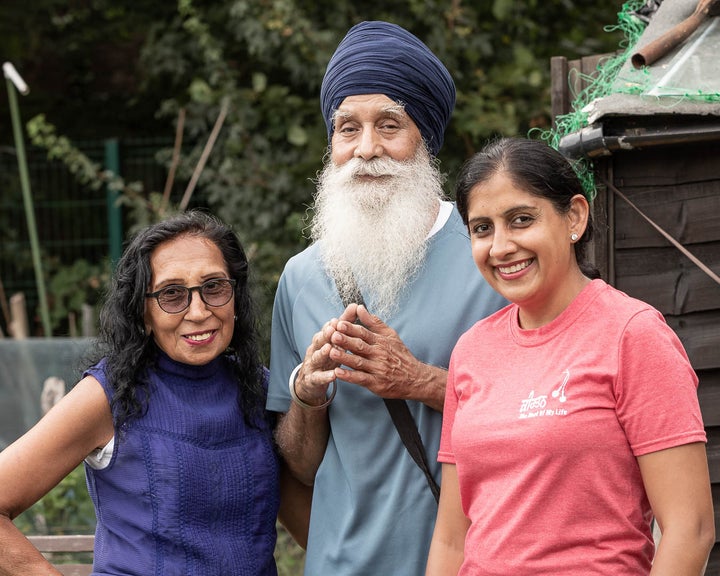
<point x="72" y="220"/>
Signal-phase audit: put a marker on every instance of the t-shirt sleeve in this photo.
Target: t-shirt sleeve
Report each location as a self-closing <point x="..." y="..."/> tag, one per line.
<point x="656" y="388"/>
<point x="445" y="453"/>
<point x="283" y="355"/>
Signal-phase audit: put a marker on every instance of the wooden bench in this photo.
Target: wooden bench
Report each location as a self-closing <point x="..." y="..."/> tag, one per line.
<point x="49" y="545"/>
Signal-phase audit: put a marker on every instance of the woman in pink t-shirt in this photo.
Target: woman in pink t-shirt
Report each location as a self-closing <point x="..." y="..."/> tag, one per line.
<point x="571" y="416"/>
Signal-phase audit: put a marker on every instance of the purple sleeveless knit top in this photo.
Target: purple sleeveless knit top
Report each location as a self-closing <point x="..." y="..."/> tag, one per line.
<point x="191" y="489"/>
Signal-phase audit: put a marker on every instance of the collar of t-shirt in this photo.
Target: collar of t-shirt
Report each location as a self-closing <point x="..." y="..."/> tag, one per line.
<point x="442" y="217"/>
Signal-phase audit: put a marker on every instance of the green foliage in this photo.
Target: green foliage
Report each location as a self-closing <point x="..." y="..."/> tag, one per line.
<point x="143" y="208"/>
<point x="66" y="509"/>
<point x="72" y="286"/>
<point x="266" y="58"/>
<point x="290" y="558"/>
<point x="44" y="135"/>
<point x="81" y="282"/>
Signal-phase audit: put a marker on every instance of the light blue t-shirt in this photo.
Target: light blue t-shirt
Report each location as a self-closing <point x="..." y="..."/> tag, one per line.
<point x="373" y="513"/>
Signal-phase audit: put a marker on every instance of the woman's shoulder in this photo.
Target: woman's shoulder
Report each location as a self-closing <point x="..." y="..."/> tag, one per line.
<point x="490" y="325"/>
<point x="98" y="370"/>
<point x="617" y="302"/>
<point x="613" y="314"/>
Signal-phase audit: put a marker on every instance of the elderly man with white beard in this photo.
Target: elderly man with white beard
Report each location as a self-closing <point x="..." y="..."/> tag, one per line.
<point x="372" y="309"/>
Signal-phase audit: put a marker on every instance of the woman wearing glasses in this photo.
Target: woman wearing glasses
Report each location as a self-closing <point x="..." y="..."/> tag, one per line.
<point x="170" y="422"/>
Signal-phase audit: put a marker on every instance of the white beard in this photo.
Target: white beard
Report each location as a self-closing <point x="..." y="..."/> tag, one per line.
<point x="373" y="234"/>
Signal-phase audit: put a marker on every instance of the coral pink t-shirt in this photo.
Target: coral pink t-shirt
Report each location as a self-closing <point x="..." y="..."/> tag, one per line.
<point x="545" y="425"/>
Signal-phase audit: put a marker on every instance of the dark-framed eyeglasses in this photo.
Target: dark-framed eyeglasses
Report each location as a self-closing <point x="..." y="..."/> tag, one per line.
<point x="174" y="299"/>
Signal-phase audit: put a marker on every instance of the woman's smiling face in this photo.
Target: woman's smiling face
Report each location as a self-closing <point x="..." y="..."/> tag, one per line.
<point x="522" y="246"/>
<point x="201" y="332"/>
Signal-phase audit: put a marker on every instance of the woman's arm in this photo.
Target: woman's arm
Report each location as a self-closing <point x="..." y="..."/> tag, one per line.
<point x="448" y="541"/>
<point x="677" y="483"/>
<point x="35" y="463"/>
<point x="295" y="504"/>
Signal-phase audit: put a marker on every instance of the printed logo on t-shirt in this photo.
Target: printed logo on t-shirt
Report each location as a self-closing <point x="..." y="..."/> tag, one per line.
<point x="536" y="406"/>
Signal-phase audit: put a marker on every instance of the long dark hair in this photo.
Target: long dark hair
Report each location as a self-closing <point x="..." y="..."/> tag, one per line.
<point x="130" y="352"/>
<point x="534" y="167"/>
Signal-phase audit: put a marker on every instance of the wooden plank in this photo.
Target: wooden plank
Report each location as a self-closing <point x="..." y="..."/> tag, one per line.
<point x="18" y="317"/>
<point x="574" y="81"/>
<point x="713" y="566"/>
<point x="713" y="454"/>
<point x="709" y="396"/>
<point x="581" y="74"/>
<point x="700" y="336"/>
<point x="590" y="66"/>
<point x="643" y="261"/>
<point x="688" y="212"/>
<point x="75" y="569"/>
<point x="669" y="280"/>
<point x="64" y="543"/>
<point x="658" y="166"/>
<point x="716" y="500"/>
<point x="559" y="92"/>
<point x="599" y="249"/>
<point x="569" y="78"/>
<point x="673" y="292"/>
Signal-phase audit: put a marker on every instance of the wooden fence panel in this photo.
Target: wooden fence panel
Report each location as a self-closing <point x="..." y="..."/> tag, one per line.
<point x="669" y="280"/>
<point x="72" y="543"/>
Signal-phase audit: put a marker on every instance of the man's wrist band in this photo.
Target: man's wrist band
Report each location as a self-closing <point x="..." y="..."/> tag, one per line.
<point x="302" y="404"/>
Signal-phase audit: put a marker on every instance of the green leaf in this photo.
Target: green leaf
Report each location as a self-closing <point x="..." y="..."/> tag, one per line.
<point x="297" y="135"/>
<point x="259" y="81"/>
<point x="200" y="91"/>
<point x="502" y="9"/>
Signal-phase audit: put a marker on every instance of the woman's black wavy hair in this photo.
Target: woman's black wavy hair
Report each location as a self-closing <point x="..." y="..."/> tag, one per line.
<point x="534" y="167"/>
<point x="130" y="352"/>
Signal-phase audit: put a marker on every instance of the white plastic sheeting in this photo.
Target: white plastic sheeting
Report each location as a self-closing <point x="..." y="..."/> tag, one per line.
<point x="26" y="366"/>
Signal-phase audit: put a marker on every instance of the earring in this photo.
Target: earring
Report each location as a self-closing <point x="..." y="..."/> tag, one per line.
<point x="573" y="237"/>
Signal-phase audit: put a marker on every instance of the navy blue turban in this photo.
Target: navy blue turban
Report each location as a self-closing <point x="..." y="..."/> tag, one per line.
<point x="383" y="58"/>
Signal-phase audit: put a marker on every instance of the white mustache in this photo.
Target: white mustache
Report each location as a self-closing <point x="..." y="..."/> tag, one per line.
<point x="376" y="168"/>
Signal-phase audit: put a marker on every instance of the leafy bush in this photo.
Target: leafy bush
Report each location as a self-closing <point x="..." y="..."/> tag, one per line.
<point x="66" y="509"/>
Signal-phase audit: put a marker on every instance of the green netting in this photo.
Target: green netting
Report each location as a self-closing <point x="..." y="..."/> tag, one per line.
<point x="601" y="83"/>
<point x="691" y="74"/>
<point x="598" y="85"/>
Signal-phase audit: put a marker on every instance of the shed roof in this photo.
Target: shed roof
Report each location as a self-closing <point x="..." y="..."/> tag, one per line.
<point x="672" y="100"/>
<point x="684" y="81"/>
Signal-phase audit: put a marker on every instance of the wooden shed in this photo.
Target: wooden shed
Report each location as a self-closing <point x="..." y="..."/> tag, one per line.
<point x="654" y="142"/>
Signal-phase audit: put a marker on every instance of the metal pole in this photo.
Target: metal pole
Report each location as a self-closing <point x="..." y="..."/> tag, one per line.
<point x="114" y="216"/>
<point x="13" y="81"/>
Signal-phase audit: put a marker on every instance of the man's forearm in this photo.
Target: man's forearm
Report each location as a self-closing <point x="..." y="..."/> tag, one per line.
<point x="302" y="437"/>
<point x="431" y="386"/>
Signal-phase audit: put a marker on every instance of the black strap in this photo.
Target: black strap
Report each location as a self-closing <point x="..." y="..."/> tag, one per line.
<point x="407" y="428"/>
